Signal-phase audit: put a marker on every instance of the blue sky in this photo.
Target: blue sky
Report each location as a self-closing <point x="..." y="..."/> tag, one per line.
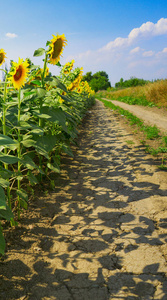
<point x="124" y="38"/>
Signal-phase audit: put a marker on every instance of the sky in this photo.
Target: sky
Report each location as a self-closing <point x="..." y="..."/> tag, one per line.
<point x="123" y="38"/>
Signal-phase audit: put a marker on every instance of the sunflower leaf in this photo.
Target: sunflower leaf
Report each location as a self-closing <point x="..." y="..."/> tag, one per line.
<point x="48" y="43"/>
<point x="58" y="64"/>
<point x="39" y="52"/>
<point x="59" y="84"/>
<point x="6" y="213"/>
<point x="36" y="82"/>
<point x="8" y="159"/>
<point x="2" y="243"/>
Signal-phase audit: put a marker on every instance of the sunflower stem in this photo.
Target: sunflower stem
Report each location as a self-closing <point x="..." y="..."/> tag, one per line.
<point x="41" y="104"/>
<point x="44" y="69"/>
<point x="19" y="153"/>
<point x="4" y="133"/>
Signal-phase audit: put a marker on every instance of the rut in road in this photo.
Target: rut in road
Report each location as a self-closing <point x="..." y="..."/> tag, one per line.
<point x="102" y="233"/>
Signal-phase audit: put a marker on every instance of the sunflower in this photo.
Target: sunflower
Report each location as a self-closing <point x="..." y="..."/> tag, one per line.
<point x="57" y="44"/>
<point x="68" y="67"/>
<point x="19" y="73"/>
<point x="2" y="56"/>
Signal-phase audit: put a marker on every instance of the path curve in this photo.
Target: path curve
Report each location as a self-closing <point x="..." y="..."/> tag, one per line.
<point x="150" y="115"/>
<point x="101" y="234"/>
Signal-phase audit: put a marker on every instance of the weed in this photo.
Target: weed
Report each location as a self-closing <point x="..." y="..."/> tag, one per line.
<point x="129" y="142"/>
<point x="152" y="132"/>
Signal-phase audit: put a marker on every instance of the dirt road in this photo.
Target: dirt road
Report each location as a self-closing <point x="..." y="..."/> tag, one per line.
<point x="150" y="115"/>
<point x="101" y="234"/>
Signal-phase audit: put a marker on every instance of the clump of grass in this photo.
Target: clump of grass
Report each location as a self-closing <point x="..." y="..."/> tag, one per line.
<point x="129" y="142"/>
<point x="152" y="132"/>
<point x="157" y="92"/>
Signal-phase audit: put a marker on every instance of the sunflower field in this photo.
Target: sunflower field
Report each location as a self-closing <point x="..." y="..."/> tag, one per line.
<point x="39" y="115"/>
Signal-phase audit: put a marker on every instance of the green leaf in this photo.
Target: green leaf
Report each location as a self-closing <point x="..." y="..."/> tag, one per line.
<point x="28" y="162"/>
<point x="6" y="214"/>
<point x="33" y="180"/>
<point x="42" y="116"/>
<point x="56" y="114"/>
<point x="36" y="82"/>
<point x="67" y="150"/>
<point x="2" y="243"/>
<point x="54" y="167"/>
<point x="8" y="159"/>
<point x="25" y="117"/>
<point x="64" y="98"/>
<point x="28" y="143"/>
<point x="4" y="183"/>
<point x="58" y="64"/>
<point x="23" y="203"/>
<point x="48" y="43"/>
<point x="39" y="52"/>
<point x="2" y="199"/>
<point x="45" y="144"/>
<point x="24" y="125"/>
<point x="22" y="194"/>
<point x="6" y="141"/>
<point x="41" y="92"/>
<point x="59" y="84"/>
<point x="38" y="131"/>
<point x="6" y="174"/>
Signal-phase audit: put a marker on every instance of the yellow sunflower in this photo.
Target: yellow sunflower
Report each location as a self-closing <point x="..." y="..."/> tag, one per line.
<point x="68" y="67"/>
<point x="2" y="56"/>
<point x="57" y="44"/>
<point x="19" y="73"/>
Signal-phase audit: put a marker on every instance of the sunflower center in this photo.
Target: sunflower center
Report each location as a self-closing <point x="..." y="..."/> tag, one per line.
<point x="57" y="48"/>
<point x="18" y="74"/>
<point x="1" y="58"/>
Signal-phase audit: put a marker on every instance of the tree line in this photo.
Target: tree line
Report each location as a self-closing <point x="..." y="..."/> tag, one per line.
<point x="100" y="81"/>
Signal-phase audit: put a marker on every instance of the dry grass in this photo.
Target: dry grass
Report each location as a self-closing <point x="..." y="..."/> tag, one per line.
<point x="157" y="92"/>
<point x="153" y="92"/>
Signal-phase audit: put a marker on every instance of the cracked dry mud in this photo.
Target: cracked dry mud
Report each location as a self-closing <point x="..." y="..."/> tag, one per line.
<point x="101" y="234"/>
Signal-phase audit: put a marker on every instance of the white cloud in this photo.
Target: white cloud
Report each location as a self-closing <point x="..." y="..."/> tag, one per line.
<point x="149" y="29"/>
<point x="117" y="43"/>
<point x="146" y="30"/>
<point x="148" y="53"/>
<point x="164" y="50"/>
<point x="122" y="57"/>
<point x="135" y="50"/>
<point x="11" y="35"/>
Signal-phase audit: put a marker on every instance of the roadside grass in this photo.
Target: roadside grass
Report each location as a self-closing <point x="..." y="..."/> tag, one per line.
<point x="151" y="133"/>
<point x="151" y="94"/>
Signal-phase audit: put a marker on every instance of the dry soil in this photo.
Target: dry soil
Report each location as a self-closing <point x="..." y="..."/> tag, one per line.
<point x="101" y="233"/>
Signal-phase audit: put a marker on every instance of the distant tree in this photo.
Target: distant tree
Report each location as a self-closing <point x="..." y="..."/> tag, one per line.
<point x="133" y="81"/>
<point x="97" y="81"/>
<point x="87" y="77"/>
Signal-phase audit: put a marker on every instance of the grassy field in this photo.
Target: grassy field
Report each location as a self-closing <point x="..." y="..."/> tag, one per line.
<point x="150" y="94"/>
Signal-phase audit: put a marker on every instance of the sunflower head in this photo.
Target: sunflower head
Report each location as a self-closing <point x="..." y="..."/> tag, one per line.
<point x="19" y="73"/>
<point x="56" y="48"/>
<point x="68" y="67"/>
<point x="2" y="56"/>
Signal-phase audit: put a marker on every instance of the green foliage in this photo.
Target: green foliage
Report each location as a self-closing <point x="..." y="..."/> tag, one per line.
<point x="37" y="124"/>
<point x="133" y="81"/>
<point x="97" y="81"/>
<point x="136" y="101"/>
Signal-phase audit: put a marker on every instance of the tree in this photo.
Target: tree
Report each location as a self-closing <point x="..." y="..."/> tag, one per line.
<point x="97" y="81"/>
<point x="87" y="77"/>
<point x="133" y="81"/>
